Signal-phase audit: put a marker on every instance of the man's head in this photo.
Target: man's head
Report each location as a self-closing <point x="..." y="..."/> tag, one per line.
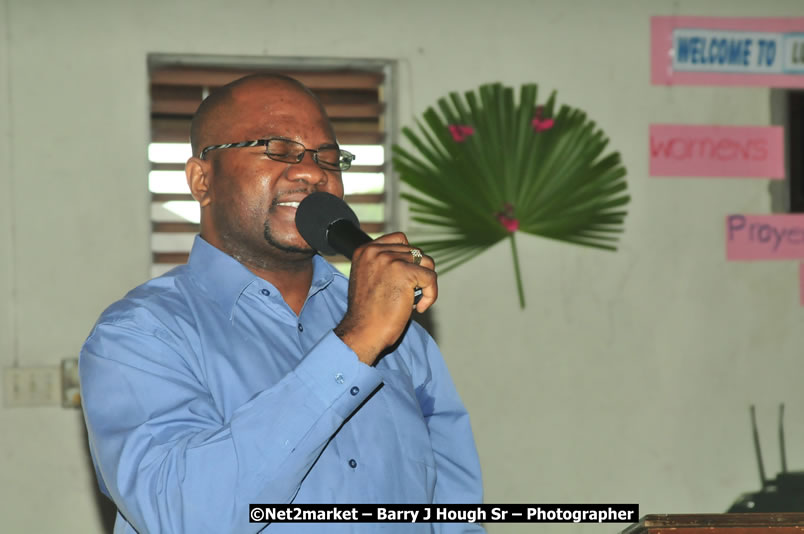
<point x="247" y="198"/>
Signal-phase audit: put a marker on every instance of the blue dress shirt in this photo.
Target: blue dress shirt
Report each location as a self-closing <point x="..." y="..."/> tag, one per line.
<point x="203" y="392"/>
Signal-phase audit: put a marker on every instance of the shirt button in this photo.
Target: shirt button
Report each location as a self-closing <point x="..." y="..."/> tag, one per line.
<point x="339" y="378"/>
<point x="352" y="463"/>
<point x="354" y="391"/>
<point x="301" y="328"/>
<point x="265" y="292"/>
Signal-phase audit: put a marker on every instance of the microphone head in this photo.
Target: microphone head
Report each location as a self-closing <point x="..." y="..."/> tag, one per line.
<point x="316" y="213"/>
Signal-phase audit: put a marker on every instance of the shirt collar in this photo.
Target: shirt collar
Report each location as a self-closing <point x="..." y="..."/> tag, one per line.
<point x="224" y="278"/>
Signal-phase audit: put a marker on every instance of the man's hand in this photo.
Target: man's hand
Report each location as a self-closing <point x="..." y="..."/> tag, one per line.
<point x="381" y="286"/>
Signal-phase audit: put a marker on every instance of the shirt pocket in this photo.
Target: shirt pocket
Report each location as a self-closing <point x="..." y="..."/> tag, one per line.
<point x="417" y="472"/>
<point x="411" y="429"/>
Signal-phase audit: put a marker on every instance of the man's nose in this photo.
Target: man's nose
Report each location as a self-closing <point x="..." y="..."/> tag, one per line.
<point x="307" y="169"/>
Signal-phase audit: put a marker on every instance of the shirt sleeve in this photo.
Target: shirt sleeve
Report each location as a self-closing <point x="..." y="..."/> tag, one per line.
<point x="169" y="461"/>
<point x="458" y="478"/>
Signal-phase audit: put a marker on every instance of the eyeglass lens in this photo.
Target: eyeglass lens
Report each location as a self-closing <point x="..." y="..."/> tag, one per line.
<point x="293" y="152"/>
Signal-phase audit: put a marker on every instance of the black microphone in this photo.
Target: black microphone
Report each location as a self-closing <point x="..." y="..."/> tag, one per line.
<point x="330" y="226"/>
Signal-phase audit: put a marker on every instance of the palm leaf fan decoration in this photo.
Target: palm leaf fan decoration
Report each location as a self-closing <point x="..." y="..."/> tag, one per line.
<point x="485" y="168"/>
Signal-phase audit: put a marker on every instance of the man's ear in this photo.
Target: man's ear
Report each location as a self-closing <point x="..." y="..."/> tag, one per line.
<point x="199" y="173"/>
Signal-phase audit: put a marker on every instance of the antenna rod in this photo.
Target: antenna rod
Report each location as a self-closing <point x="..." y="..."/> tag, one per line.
<point x="756" y="446"/>
<point x="781" y="437"/>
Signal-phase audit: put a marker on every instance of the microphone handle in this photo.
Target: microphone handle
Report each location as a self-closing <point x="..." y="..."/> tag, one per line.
<point x="346" y="237"/>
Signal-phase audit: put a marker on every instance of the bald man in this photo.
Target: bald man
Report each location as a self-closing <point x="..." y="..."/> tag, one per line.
<point x="257" y="373"/>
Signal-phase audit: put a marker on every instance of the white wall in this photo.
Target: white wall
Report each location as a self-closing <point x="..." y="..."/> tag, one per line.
<point x="628" y="376"/>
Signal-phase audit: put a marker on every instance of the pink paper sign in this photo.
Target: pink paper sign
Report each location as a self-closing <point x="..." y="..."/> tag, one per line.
<point x="801" y="282"/>
<point x="737" y="151"/>
<point x="766" y="52"/>
<point x="764" y="237"/>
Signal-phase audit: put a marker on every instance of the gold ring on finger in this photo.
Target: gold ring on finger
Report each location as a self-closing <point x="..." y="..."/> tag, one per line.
<point x="417" y="255"/>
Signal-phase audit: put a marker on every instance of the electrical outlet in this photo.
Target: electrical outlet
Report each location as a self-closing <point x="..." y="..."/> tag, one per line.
<point x="31" y="386"/>
<point x="70" y="388"/>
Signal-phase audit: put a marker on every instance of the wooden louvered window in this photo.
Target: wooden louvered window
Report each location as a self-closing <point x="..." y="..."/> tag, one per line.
<point x="354" y="101"/>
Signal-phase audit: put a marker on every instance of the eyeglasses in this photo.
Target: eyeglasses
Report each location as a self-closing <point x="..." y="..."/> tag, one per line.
<point x="329" y="157"/>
